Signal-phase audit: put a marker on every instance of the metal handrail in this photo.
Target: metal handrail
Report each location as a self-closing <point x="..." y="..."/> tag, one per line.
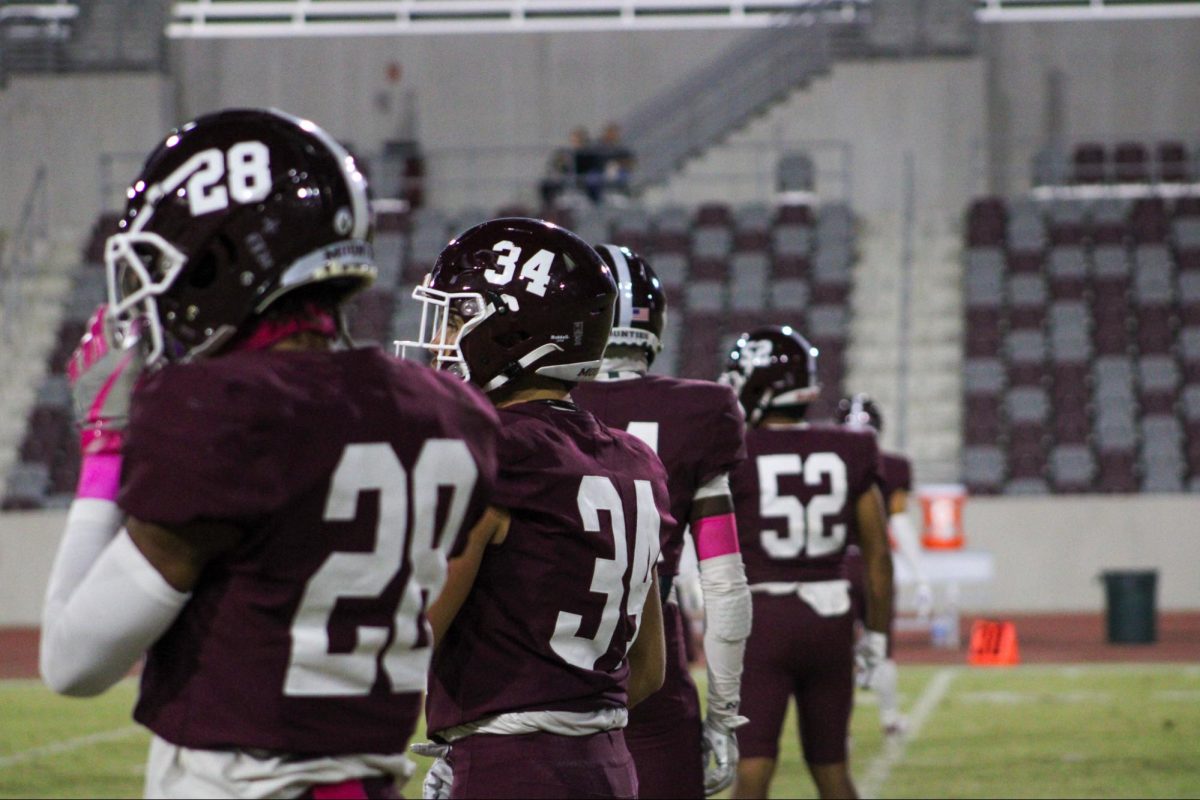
<point x="18" y="260"/>
<point x="208" y="19"/>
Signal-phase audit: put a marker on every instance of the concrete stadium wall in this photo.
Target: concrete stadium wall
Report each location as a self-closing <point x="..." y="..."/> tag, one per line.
<point x="1047" y="551"/>
<point x="522" y="93"/>
<point x="1132" y="79"/>
<point x="66" y="123"/>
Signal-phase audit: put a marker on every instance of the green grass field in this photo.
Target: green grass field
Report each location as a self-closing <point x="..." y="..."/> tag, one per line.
<point x="1036" y="731"/>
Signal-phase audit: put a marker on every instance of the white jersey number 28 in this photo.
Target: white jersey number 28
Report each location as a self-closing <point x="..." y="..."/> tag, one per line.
<point x="313" y="671"/>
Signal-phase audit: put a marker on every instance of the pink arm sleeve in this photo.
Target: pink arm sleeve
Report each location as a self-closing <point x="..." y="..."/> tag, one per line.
<point x="99" y="476"/>
<point x="716" y="536"/>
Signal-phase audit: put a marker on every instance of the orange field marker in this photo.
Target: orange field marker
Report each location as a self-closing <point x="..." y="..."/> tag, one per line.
<point x="993" y="644"/>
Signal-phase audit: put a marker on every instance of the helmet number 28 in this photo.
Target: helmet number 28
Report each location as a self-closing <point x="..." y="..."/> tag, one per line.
<point x="807" y="530"/>
<point x="242" y="173"/>
<point x="536" y="268"/>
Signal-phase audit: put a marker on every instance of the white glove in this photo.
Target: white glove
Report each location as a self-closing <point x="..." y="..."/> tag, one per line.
<point x="719" y="745"/>
<point x="440" y="777"/>
<point x="924" y="600"/>
<point x="869" y="653"/>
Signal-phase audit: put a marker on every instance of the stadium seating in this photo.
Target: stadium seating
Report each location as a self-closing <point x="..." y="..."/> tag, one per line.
<point x="1082" y="334"/>
<point x="724" y="270"/>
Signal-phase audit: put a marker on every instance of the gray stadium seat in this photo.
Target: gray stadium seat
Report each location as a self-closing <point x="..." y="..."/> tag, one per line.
<point x="673" y="219"/>
<point x="789" y="294"/>
<point x="1189" y="287"/>
<point x="828" y="322"/>
<point x="1067" y="212"/>
<point x="983" y="283"/>
<point x="1026" y="290"/>
<point x="1068" y="261"/>
<point x="705" y="296"/>
<point x="712" y="242"/>
<point x="593" y="229"/>
<point x="671" y="269"/>
<point x="792" y="240"/>
<point x="389" y="256"/>
<point x="1026" y="346"/>
<point x="1189" y="402"/>
<point x="835" y="223"/>
<point x="1110" y="261"/>
<point x="1186" y="232"/>
<point x="1158" y="374"/>
<point x="1026" y="232"/>
<point x="753" y="217"/>
<point x="748" y="284"/>
<point x="983" y="376"/>
<point x="1026" y="486"/>
<point x="987" y="259"/>
<point x="1072" y="465"/>
<point x="1152" y="277"/>
<point x="983" y="465"/>
<point x="1027" y="404"/>
<point x="1110" y="210"/>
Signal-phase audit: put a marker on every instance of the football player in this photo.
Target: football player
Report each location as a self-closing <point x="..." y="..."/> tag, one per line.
<point x="262" y="509"/>
<point x="560" y="632"/>
<point x="697" y="429"/>
<point x="895" y="482"/>
<point x="801" y="493"/>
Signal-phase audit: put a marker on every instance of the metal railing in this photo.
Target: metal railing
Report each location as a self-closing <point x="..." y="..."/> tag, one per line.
<point x="22" y="252"/>
<point x="284" y="18"/>
<point x="1081" y="10"/>
<point x="690" y="116"/>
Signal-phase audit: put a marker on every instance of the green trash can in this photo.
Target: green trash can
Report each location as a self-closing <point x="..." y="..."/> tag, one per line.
<point x="1130" y="596"/>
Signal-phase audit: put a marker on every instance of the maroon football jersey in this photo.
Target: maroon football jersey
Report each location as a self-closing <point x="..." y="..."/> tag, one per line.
<point x="795" y="497"/>
<point x="696" y="427"/>
<point x="895" y="476"/>
<point x="555" y="607"/>
<point x="352" y="475"/>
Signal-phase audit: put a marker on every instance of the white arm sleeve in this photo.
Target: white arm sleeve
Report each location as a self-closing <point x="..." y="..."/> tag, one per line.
<point x="102" y="611"/>
<point x="727" y="615"/>
<point x="907" y="545"/>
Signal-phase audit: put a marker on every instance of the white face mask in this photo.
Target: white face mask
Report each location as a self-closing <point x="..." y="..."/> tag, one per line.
<point x="438" y="335"/>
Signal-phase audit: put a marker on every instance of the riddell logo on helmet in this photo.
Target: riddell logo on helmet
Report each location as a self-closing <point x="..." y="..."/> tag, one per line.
<point x="578" y="332"/>
<point x="588" y="372"/>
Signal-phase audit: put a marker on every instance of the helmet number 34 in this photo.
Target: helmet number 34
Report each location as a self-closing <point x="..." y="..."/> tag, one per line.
<point x="535" y="270"/>
<point x="242" y="173"/>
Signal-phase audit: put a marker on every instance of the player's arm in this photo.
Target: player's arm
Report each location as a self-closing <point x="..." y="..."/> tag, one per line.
<point x="648" y="653"/>
<point x="908" y="546"/>
<point x="877" y="561"/>
<point x="727" y="604"/>
<point x="461" y="570"/>
<point x="99" y="620"/>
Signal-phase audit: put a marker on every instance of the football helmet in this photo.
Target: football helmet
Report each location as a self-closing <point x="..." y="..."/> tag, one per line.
<point x="512" y="296"/>
<point x="771" y="367"/>
<point x="641" y="304"/>
<point x="859" y="411"/>
<point x="232" y="211"/>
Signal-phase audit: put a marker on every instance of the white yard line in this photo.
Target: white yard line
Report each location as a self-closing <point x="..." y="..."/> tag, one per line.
<point x="67" y="745"/>
<point x="880" y="769"/>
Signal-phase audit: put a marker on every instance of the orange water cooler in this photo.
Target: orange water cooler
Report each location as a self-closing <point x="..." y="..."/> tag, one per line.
<point x="942" y="511"/>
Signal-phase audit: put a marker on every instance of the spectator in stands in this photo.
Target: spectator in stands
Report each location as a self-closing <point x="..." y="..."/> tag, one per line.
<point x="614" y="163"/>
<point x="567" y="166"/>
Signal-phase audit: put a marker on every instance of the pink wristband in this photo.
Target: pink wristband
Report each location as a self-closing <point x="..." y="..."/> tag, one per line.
<point x="716" y="536"/>
<point x="99" y="476"/>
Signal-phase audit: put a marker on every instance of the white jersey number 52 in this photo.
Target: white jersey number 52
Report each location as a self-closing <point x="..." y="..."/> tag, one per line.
<point x="806" y="531"/>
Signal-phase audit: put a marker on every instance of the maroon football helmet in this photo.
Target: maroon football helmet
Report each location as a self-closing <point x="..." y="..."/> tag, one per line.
<point x="231" y="212"/>
<point x="641" y="305"/>
<point x="859" y="411"/>
<point x="530" y="296"/>
<point x="772" y="367"/>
